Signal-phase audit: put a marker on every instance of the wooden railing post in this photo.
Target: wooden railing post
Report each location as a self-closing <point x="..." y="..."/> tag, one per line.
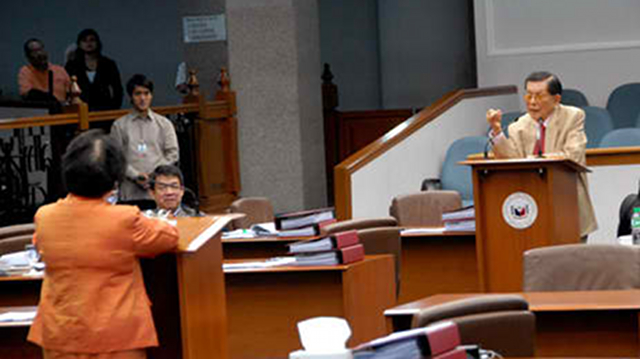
<point x="230" y="138"/>
<point x="193" y="88"/>
<point x="330" y="116"/>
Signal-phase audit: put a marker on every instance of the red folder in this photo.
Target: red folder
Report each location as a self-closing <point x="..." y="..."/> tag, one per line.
<point x="440" y="338"/>
<point x="458" y="353"/>
<point x="352" y="254"/>
<point x="345" y="239"/>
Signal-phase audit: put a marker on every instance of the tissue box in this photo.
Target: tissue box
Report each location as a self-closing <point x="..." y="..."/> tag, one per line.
<point x="302" y="354"/>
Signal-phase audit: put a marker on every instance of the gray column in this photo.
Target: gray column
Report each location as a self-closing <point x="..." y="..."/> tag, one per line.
<point x="274" y="61"/>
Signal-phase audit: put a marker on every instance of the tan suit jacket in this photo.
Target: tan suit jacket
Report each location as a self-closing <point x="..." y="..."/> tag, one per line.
<point x="564" y="135"/>
<point x="93" y="298"/>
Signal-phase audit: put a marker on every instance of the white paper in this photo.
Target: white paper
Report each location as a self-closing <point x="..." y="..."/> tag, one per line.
<point x="424" y="230"/>
<point x="272" y="262"/>
<point x="324" y="334"/>
<point x="239" y="234"/>
<point x="204" y="28"/>
<point x="17" y="316"/>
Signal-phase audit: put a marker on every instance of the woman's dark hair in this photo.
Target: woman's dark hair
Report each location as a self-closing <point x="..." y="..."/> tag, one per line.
<point x="138" y="80"/>
<point x="79" y="53"/>
<point x="83" y="34"/>
<point x="554" y="86"/>
<point x="93" y="164"/>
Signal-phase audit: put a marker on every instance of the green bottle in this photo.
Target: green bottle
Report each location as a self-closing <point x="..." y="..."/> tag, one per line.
<point x="635" y="225"/>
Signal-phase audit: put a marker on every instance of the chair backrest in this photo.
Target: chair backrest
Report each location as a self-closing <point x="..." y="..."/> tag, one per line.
<point x="597" y="124"/>
<point x="457" y="177"/>
<point x="383" y="240"/>
<point x="424" y="208"/>
<point x="581" y="267"/>
<point x="257" y="210"/>
<point x="502" y="323"/>
<point x="508" y="118"/>
<point x="623" y="105"/>
<point x="622" y="137"/>
<point x="574" y="97"/>
<point x="14" y="238"/>
<point x="358" y="223"/>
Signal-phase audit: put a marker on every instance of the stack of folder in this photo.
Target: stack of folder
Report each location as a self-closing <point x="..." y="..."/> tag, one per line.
<point x="439" y="341"/>
<point x="463" y="219"/>
<point x="304" y="223"/>
<point x="339" y="248"/>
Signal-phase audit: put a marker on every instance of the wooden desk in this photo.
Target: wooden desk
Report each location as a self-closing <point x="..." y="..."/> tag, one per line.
<point x="589" y="324"/>
<point x="436" y="263"/>
<point x="264" y="306"/>
<point x="431" y="263"/>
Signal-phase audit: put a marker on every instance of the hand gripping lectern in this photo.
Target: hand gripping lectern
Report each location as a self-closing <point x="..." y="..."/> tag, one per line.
<point x="187" y="292"/>
<point x="521" y="204"/>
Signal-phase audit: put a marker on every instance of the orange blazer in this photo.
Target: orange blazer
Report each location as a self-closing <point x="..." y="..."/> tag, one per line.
<point x="93" y="298"/>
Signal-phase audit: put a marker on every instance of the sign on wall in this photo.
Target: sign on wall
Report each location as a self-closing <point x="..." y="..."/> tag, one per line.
<point x="204" y="28"/>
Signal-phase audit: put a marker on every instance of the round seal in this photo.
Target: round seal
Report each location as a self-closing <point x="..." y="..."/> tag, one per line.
<point x="519" y="210"/>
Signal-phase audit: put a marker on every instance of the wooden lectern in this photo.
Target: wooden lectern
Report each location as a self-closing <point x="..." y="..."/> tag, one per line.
<point x="187" y="292"/>
<point x="521" y="204"/>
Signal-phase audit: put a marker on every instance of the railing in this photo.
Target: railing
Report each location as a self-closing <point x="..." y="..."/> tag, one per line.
<point x="346" y="132"/>
<point x="450" y="127"/>
<point x="207" y="132"/>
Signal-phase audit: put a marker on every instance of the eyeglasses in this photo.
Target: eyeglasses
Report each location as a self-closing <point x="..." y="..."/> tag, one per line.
<point x="537" y="96"/>
<point x="165" y="186"/>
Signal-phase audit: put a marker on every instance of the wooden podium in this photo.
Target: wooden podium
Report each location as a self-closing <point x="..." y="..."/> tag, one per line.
<point x="521" y="204"/>
<point x="187" y="290"/>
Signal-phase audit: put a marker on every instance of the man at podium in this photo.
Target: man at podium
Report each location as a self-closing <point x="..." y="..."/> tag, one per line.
<point x="548" y="127"/>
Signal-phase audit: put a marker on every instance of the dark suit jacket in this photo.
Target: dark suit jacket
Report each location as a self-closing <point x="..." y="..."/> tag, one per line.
<point x="105" y="92"/>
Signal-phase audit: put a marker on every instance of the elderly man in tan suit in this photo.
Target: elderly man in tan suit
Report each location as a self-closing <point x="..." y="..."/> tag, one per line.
<point x="93" y="302"/>
<point x="547" y="127"/>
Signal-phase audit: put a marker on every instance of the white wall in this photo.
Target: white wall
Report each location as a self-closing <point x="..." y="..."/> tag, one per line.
<point x="592" y="45"/>
<point x="402" y="169"/>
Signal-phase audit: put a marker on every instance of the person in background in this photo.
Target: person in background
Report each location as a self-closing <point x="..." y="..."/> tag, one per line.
<point x="166" y="186"/>
<point x="98" y="75"/>
<point x="148" y="139"/>
<point x="548" y="127"/>
<point x="41" y="80"/>
<point x="93" y="302"/>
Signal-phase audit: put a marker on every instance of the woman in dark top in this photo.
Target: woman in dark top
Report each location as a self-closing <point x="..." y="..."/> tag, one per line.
<point x="98" y="75"/>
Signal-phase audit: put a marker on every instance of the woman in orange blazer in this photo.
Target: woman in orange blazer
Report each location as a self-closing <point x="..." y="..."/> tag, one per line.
<point x="93" y="303"/>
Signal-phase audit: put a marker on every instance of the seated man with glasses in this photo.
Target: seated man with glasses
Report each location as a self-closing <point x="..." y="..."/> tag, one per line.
<point x="166" y="186"/>
<point x="548" y="127"/>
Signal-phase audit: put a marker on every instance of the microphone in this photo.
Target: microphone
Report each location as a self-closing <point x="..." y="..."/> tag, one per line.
<point x="539" y="136"/>
<point x="487" y="146"/>
<point x="196" y="202"/>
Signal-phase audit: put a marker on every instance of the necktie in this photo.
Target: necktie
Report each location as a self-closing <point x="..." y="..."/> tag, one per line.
<point x="539" y="147"/>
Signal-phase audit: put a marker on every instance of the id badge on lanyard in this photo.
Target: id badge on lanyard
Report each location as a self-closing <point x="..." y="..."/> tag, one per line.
<point x="142" y="149"/>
